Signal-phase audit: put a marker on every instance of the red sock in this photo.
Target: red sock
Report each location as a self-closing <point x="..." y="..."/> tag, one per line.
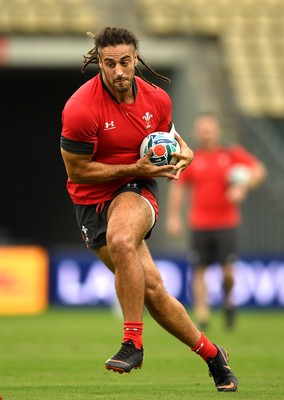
<point x="133" y="331"/>
<point x="204" y="348"/>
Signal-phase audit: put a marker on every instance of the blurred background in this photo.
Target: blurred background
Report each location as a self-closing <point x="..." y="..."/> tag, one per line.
<point x="225" y="56"/>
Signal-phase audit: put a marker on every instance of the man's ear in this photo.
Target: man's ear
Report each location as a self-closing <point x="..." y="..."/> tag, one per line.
<point x="135" y="58"/>
<point x="100" y="62"/>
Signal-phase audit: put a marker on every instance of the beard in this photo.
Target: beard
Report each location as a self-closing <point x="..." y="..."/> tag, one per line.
<point x="122" y="85"/>
<point x="119" y="85"/>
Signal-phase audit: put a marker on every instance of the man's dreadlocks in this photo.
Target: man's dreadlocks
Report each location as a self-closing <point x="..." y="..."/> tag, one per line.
<point x="113" y="36"/>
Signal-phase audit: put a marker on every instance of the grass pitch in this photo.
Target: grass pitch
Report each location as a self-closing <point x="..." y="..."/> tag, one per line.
<point x="60" y="355"/>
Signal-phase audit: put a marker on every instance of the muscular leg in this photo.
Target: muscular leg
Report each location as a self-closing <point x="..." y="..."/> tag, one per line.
<point x="129" y="218"/>
<point x="164" y="308"/>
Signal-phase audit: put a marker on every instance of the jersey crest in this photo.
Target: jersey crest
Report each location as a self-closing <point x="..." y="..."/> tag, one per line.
<point x="147" y="118"/>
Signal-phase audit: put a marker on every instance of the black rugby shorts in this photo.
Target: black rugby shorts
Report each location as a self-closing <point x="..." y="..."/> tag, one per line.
<point x="213" y="246"/>
<point x="92" y="219"/>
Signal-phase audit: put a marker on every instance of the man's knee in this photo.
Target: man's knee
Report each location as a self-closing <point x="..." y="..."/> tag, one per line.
<point x="120" y="243"/>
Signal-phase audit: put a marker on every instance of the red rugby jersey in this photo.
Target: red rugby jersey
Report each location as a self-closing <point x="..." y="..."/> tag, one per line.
<point x="207" y="177"/>
<point x="113" y="131"/>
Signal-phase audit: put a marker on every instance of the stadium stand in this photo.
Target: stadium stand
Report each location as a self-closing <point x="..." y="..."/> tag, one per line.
<point x="251" y="33"/>
<point x="252" y="37"/>
<point x="46" y="17"/>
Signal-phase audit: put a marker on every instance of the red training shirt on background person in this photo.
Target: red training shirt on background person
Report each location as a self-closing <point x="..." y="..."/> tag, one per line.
<point x="208" y="180"/>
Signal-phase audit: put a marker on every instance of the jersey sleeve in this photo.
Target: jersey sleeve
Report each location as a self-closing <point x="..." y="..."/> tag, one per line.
<point x="241" y="156"/>
<point x="79" y="129"/>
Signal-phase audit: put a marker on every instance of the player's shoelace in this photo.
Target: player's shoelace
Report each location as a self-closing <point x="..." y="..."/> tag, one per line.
<point x="127" y="349"/>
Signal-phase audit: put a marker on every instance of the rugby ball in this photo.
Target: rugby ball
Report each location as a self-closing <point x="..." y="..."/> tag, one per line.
<point x="163" y="144"/>
<point x="239" y="174"/>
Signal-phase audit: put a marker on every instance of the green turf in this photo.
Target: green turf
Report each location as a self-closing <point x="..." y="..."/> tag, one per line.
<point x="60" y="355"/>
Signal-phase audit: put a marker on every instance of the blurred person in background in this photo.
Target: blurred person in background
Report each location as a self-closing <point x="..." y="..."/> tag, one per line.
<point x="212" y="188"/>
<point x="114" y="192"/>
